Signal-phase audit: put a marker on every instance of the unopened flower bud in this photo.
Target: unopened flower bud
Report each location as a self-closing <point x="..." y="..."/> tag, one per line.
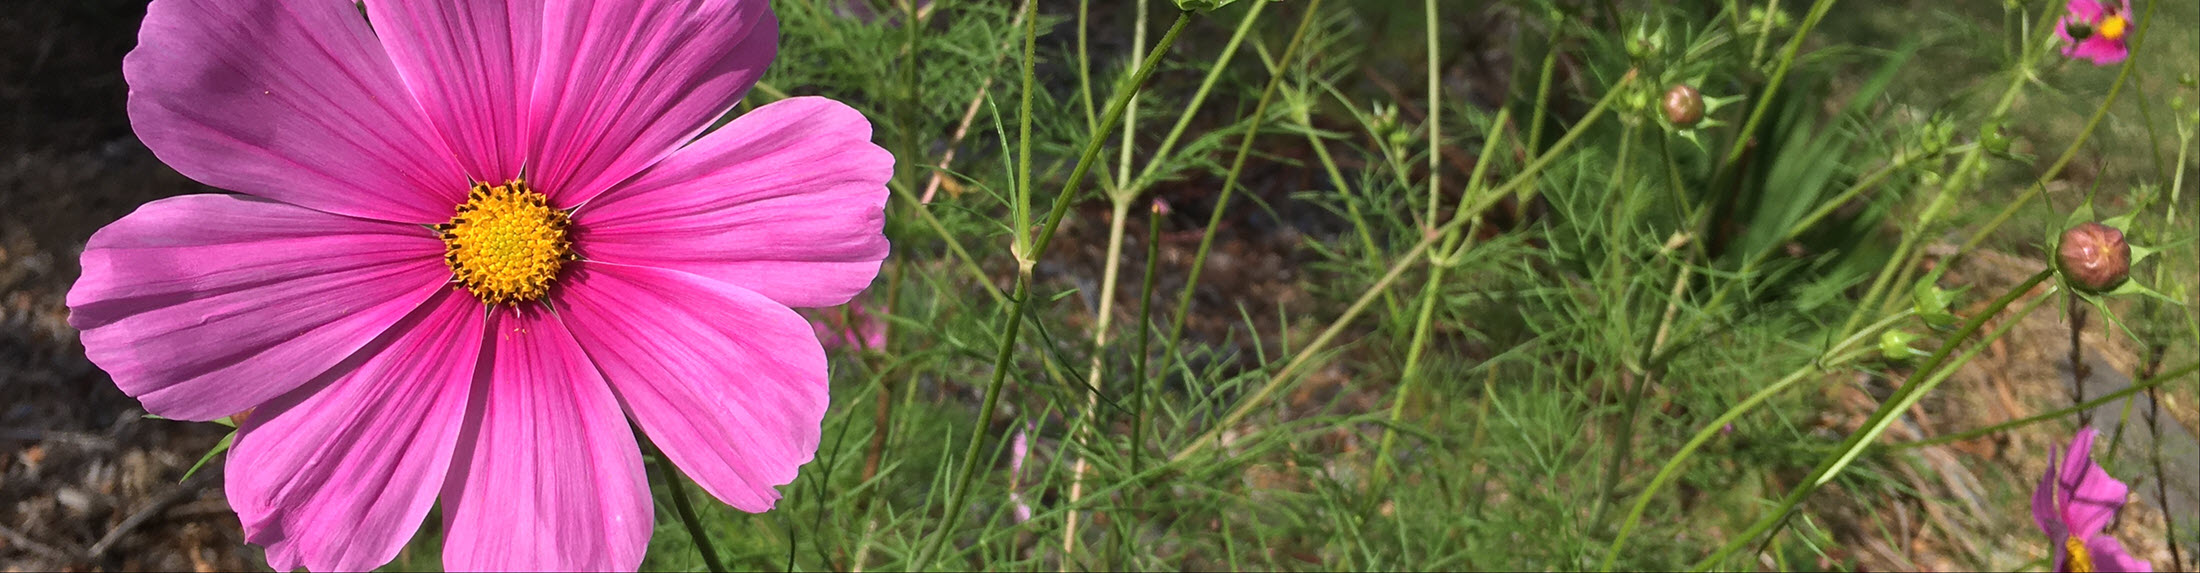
<point x="1895" y="345"/>
<point x="2093" y="257"/>
<point x="1683" y="106"/>
<point x="1991" y="137"/>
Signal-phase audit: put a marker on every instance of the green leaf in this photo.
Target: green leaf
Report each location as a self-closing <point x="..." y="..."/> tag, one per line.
<point x="2133" y="288"/>
<point x="219" y="447"/>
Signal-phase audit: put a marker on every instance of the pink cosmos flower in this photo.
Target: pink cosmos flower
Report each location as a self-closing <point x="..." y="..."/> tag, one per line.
<point x="2094" y="31"/>
<point x="832" y="328"/>
<point x="1019" y="448"/>
<point x="473" y="240"/>
<point x="2074" y="502"/>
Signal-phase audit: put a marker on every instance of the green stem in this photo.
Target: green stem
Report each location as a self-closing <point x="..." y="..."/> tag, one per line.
<point x="2039" y="185"/>
<point x="681" y="506"/>
<point x="1921" y="382"/>
<point x="1435" y="116"/>
<point x="1839" y="354"/>
<point x="1526" y="178"/>
<point x="1021" y="301"/>
<point x="1779" y="75"/>
<point x="1229" y="182"/>
<point x="2149" y="384"/>
<point x="1145" y="332"/>
<point x="1199" y="97"/>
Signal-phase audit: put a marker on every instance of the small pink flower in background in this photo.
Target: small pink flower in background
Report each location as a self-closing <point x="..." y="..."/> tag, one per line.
<point x="1019" y="449"/>
<point x="2074" y="502"/>
<point x="2095" y="31"/>
<point x="833" y="330"/>
<point x="473" y="240"/>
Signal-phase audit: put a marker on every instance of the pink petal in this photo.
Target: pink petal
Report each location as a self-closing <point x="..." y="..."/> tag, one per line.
<point x="292" y="100"/>
<point x="2089" y="496"/>
<point x="2101" y="51"/>
<point x="548" y="475"/>
<point x="201" y="306"/>
<point x="788" y="201"/>
<point x="2044" y="499"/>
<point x="338" y="474"/>
<point x="471" y="66"/>
<point x="2108" y="556"/>
<point x="728" y="383"/>
<point x="623" y="84"/>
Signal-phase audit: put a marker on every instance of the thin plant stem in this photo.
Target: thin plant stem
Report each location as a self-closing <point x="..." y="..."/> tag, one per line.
<point x="1410" y="374"/>
<point x="680" y="505"/>
<point x="1027" y="258"/>
<point x="1779" y="75"/>
<point x="2039" y="185"/>
<point x="2147" y="385"/>
<point x="1900" y="266"/>
<point x="1921" y="383"/>
<point x="1230" y="182"/>
<point x="1435" y="117"/>
<point x="1145" y="333"/>
<point x="2079" y="369"/>
<point x="1460" y="218"/>
<point x="1118" y="216"/>
<point x="1543" y="86"/>
<point x="970" y="111"/>
<point x="1837" y="355"/>
<point x="1199" y="97"/>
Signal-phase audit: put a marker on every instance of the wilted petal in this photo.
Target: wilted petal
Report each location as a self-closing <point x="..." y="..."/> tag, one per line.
<point x="788" y="200"/>
<point x="292" y="100"/>
<point x="336" y="475"/>
<point x="623" y="84"/>
<point x="548" y="476"/>
<point x="728" y="383"/>
<point x="203" y="305"/>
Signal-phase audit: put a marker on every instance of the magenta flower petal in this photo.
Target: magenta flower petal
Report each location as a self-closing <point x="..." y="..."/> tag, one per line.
<point x="471" y="65"/>
<point x="547" y="474"/>
<point x="337" y="475"/>
<point x="728" y="383"/>
<point x="788" y="201"/>
<point x="292" y="100"/>
<point x="2088" y="496"/>
<point x="2044" y="499"/>
<point x="623" y="84"/>
<point x="201" y="306"/>
<point x="2100" y="51"/>
<point x="2108" y="555"/>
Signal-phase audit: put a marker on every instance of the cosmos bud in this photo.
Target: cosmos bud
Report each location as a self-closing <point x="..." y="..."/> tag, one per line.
<point x="1683" y="106"/>
<point x="2093" y="257"/>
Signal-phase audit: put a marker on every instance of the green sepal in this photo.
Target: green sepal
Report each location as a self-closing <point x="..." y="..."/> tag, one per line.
<point x="219" y="447"/>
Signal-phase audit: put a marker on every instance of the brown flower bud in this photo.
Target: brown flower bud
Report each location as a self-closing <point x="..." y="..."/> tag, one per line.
<point x="2094" y="257"/>
<point x="1683" y="105"/>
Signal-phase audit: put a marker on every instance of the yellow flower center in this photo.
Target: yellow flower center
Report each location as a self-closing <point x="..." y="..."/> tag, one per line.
<point x="2079" y="561"/>
<point x="506" y="243"/>
<point x="2113" y="27"/>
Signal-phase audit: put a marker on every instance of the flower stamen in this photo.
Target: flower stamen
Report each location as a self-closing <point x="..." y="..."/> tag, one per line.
<point x="506" y="243"/>
<point x="2113" y="27"/>
<point x="2079" y="561"/>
